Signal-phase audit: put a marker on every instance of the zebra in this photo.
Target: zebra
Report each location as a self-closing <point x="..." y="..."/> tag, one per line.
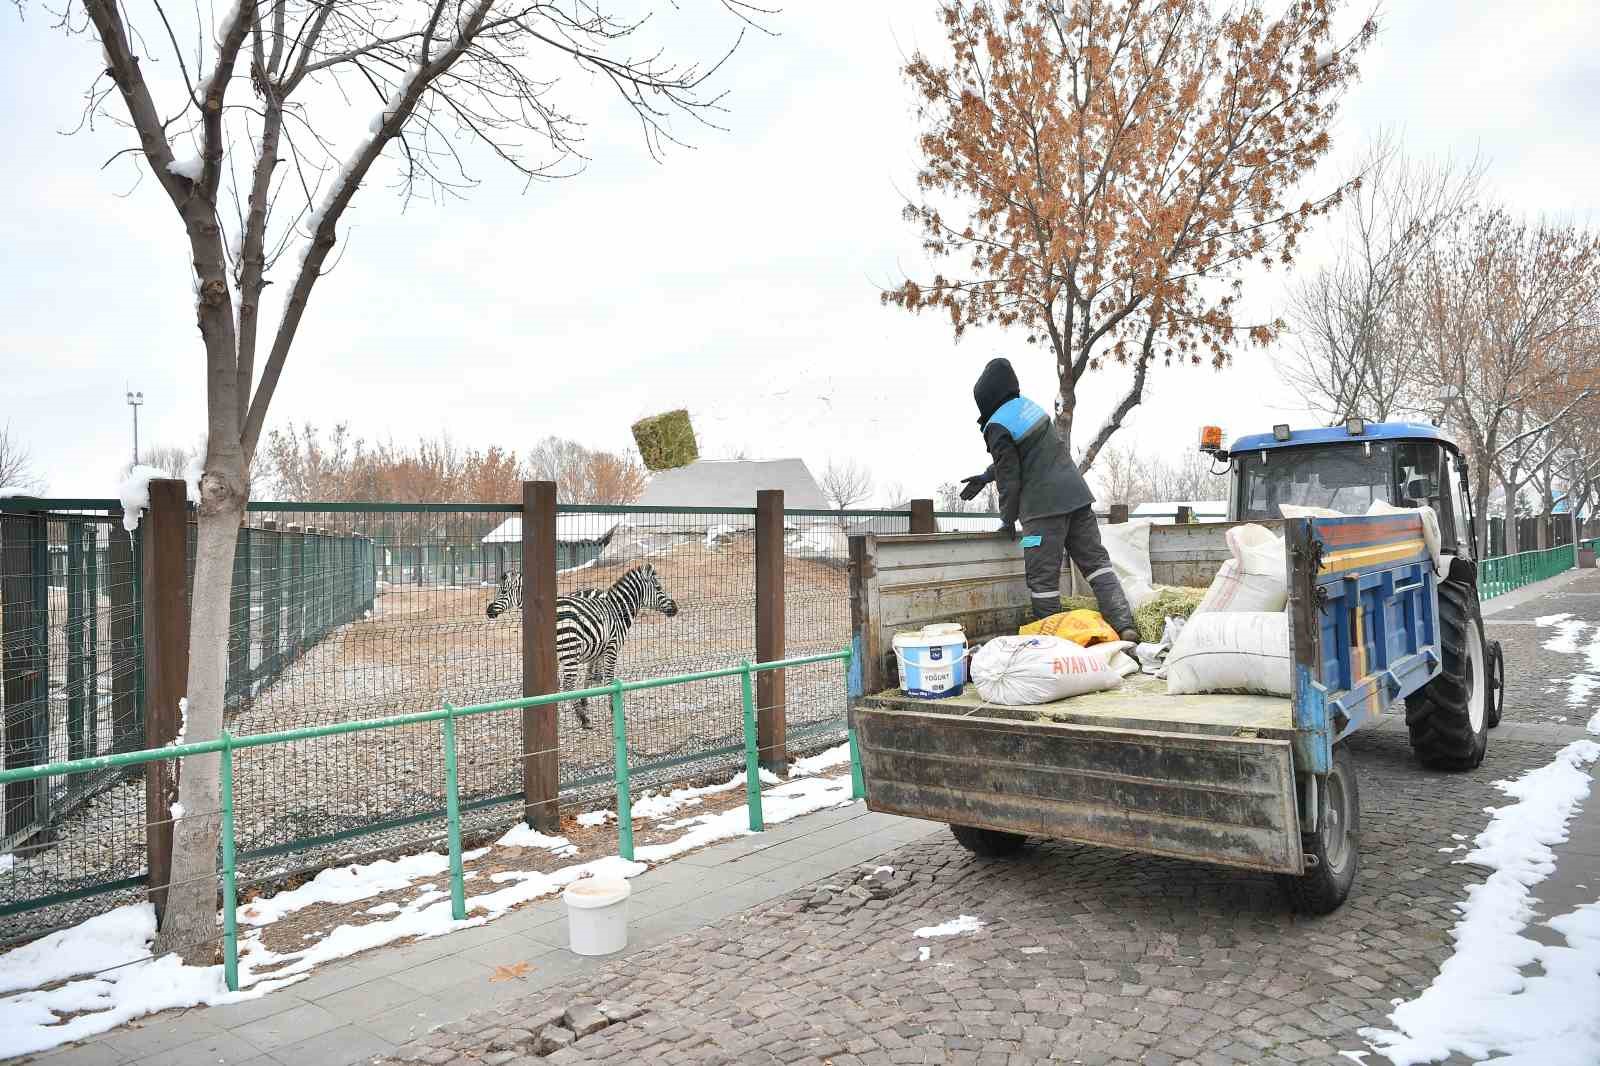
<point x="592" y="624"/>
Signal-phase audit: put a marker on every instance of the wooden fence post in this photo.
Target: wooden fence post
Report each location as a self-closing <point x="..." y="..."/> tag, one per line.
<point x="922" y="517"/>
<point x="297" y="593"/>
<point x="1119" y="514"/>
<point x="1185" y="515"/>
<point x="76" y="634"/>
<point x="271" y="600"/>
<point x="771" y="706"/>
<point x="127" y="728"/>
<point x="166" y="655"/>
<point x="23" y="662"/>
<point x="541" y="734"/>
<point x="238" y="683"/>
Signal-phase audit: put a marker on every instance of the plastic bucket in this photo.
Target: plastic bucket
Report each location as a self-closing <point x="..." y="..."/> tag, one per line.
<point x="933" y="661"/>
<point x="597" y="915"/>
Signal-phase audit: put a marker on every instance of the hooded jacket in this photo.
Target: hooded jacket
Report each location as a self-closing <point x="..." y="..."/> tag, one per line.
<point x="1035" y="475"/>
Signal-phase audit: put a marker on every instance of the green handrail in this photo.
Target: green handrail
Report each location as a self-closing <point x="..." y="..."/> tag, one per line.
<point x="227" y="743"/>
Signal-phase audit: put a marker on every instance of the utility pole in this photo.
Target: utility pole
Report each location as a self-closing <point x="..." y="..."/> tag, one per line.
<point x="134" y="400"/>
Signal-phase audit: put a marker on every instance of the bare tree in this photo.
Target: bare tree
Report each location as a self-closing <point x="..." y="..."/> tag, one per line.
<point x="259" y="93"/>
<point x="947" y="497"/>
<point x="1187" y="478"/>
<point x="1121" y="476"/>
<point x="1356" y="348"/>
<point x="585" y="475"/>
<point x="846" y="483"/>
<point x="1506" y="321"/>
<point x="173" y="460"/>
<point x="16" y="466"/>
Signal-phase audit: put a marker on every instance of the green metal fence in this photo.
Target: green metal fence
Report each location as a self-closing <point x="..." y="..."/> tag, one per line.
<point x="350" y="612"/>
<point x="447" y="718"/>
<point x="1502" y="574"/>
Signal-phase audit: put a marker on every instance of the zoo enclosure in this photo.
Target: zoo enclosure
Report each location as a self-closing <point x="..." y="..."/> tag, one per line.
<point x="753" y="582"/>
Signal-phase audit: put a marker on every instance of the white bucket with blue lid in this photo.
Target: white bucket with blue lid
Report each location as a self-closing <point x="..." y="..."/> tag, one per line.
<point x="933" y="661"/>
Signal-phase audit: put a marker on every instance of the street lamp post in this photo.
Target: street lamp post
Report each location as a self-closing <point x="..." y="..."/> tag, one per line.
<point x="134" y="400"/>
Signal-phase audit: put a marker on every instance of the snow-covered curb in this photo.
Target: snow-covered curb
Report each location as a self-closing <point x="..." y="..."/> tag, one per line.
<point x="1480" y="1002"/>
<point x="108" y="977"/>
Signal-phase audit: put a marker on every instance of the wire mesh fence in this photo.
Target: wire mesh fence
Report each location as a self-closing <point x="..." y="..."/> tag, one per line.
<point x="346" y="612"/>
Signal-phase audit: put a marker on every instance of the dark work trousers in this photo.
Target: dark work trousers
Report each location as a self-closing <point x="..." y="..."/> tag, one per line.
<point x="1076" y="536"/>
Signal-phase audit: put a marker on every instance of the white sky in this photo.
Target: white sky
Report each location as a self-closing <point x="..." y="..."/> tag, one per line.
<point x="739" y="279"/>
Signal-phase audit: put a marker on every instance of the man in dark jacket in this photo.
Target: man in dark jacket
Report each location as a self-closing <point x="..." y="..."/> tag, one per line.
<point x="1040" y="485"/>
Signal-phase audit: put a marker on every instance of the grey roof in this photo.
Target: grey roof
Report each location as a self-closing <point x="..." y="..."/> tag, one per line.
<point x="570" y="528"/>
<point x="733" y="483"/>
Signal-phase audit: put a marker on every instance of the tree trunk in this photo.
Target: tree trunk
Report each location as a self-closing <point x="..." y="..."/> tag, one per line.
<point x="189" y="925"/>
<point x="1511" y="517"/>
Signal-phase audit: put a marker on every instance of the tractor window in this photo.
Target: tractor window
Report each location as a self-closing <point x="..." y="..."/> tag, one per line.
<point x="1340" y="477"/>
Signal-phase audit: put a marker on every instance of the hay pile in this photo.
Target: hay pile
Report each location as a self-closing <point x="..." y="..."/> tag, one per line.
<point x="1172" y="601"/>
<point x="666" y="440"/>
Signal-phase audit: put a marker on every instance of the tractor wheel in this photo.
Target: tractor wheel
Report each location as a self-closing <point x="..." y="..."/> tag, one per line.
<point x="1334" y="849"/>
<point x="1449" y="716"/>
<point x="1497" y="682"/>
<point x="988" y="843"/>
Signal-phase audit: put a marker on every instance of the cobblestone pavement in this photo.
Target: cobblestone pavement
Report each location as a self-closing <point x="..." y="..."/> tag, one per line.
<point x="1086" y="955"/>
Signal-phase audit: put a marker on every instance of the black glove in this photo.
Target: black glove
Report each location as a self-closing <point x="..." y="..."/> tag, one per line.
<point x="1009" y="529"/>
<point x="971" y="486"/>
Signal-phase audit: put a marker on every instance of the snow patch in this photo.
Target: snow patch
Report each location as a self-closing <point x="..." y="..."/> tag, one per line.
<point x="1545" y="621"/>
<point x="193" y="471"/>
<point x="134" y="492"/>
<point x="777" y="805"/>
<point x="815" y="764"/>
<point x="924" y="954"/>
<point x="590" y="819"/>
<point x="183" y="721"/>
<point x="118" y="982"/>
<point x="190" y="168"/>
<point x="6" y="862"/>
<point x="716" y="533"/>
<point x="656" y="805"/>
<point x="965" y="923"/>
<point x="345" y="884"/>
<point x="1480" y="1002"/>
<point x="522" y="835"/>
<point x="1566" y="639"/>
<point x="177" y="811"/>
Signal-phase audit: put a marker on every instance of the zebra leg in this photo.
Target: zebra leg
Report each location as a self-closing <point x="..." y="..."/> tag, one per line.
<point x="569" y="681"/>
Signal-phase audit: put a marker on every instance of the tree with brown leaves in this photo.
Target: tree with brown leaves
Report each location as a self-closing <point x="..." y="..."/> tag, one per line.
<point x="1098" y="172"/>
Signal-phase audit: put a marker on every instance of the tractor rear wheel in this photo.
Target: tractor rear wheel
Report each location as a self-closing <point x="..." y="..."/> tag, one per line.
<point x="1449" y="716"/>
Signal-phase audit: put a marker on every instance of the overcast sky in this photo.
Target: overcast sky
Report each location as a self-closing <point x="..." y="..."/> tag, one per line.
<point x="739" y="279"/>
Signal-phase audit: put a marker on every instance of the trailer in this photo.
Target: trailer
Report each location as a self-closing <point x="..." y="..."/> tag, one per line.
<point x="1254" y="782"/>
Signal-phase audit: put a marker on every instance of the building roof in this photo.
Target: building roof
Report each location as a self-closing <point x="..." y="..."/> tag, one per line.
<point x="733" y="483"/>
<point x="1169" y="509"/>
<point x="570" y="528"/>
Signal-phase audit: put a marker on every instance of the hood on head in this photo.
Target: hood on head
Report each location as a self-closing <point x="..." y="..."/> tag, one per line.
<point x="997" y="384"/>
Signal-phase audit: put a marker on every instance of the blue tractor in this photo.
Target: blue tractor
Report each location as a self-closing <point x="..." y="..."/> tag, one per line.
<point x="1348" y="468"/>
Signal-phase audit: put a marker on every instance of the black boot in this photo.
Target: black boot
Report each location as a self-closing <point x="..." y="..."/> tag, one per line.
<point x="1114" y="605"/>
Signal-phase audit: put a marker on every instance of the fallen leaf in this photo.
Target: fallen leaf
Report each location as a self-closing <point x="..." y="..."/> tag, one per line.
<point x="251" y="912"/>
<point x="514" y="972"/>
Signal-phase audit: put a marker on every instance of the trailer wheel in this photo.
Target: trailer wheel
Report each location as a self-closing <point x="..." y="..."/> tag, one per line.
<point x="1449" y="716"/>
<point x="1335" y="846"/>
<point x="1497" y="682"/>
<point x="988" y="843"/>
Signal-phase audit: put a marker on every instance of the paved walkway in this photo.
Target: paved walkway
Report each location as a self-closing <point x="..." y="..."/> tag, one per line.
<point x="786" y="949"/>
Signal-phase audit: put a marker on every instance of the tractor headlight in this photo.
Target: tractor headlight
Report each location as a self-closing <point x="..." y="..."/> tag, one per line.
<point x="1355" y="426"/>
<point x="1280" y="432"/>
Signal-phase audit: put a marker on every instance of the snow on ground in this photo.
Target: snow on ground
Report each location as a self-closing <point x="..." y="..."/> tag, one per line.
<point x="117" y="981"/>
<point x="826" y="760"/>
<point x="110" y="978"/>
<point x="1566" y="639"/>
<point x="591" y="819"/>
<point x="966" y="923"/>
<point x="1481" y="1002"/>
<point x="1547" y="620"/>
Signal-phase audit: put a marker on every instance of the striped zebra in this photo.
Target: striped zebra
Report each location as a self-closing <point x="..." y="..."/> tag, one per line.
<point x="592" y="624"/>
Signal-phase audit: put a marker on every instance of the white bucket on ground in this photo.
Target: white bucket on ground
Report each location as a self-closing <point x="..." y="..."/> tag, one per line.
<point x="597" y="915"/>
<point x="933" y="660"/>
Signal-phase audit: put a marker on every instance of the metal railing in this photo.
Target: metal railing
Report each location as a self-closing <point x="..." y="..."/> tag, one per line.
<point x="447" y="717"/>
<point x="1504" y="573"/>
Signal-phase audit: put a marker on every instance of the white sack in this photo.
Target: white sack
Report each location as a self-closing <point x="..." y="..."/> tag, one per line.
<point x="1232" y="651"/>
<point x="1255" y="579"/>
<point x="1294" y="510"/>
<point x="1128" y="544"/>
<point x="1023" y="671"/>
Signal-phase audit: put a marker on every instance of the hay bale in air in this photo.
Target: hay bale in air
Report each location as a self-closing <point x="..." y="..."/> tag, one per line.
<point x="666" y="440"/>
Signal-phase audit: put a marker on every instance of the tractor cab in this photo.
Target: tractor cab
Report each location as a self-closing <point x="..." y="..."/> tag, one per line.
<point x="1347" y="469"/>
